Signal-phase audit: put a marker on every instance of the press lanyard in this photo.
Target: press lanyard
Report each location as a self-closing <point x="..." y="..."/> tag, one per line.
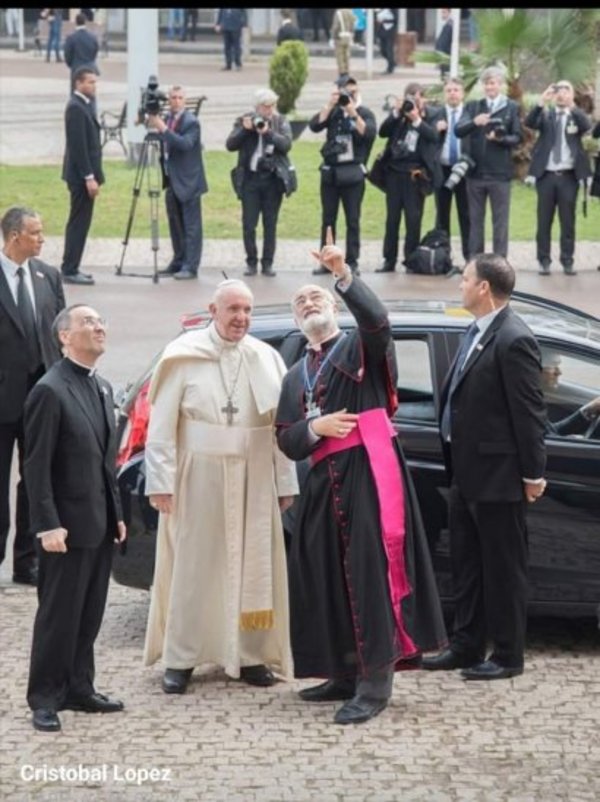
<point x="310" y="386"/>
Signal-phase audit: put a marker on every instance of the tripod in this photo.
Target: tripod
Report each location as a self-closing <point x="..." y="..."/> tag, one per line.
<point x="149" y="164"/>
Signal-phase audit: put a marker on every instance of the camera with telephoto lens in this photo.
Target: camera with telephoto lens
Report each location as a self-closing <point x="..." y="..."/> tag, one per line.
<point x="496" y="126"/>
<point x="344" y="98"/>
<point x="259" y="122"/>
<point x="409" y="104"/>
<point x="459" y="171"/>
<point x="152" y="97"/>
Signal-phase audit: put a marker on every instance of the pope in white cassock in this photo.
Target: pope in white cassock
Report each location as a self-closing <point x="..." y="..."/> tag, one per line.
<point x="220" y="483"/>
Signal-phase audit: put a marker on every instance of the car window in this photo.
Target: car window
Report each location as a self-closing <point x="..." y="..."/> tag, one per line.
<point x="570" y="381"/>
<point x="415" y="383"/>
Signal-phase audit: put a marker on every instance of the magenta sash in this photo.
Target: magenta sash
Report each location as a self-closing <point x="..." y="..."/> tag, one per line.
<point x="375" y="432"/>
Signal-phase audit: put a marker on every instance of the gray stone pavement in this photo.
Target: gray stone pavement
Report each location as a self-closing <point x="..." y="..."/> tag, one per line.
<point x="531" y="739"/>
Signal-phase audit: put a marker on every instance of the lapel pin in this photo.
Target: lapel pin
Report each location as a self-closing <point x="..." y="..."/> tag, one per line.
<point x="41" y="275"/>
<point x="479" y="347"/>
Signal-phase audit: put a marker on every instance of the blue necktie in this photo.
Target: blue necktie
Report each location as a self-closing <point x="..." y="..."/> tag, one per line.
<point x="466" y="344"/>
<point x="453" y="145"/>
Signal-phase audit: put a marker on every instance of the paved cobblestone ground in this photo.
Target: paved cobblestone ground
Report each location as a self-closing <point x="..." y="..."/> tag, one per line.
<point x="530" y="739"/>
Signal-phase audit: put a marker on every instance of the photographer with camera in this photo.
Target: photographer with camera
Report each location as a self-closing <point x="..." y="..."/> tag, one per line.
<point x="351" y="129"/>
<point x="413" y="171"/>
<point x="263" y="175"/>
<point x="184" y="180"/>
<point x="491" y="129"/>
<point x="454" y="163"/>
<point x="558" y="163"/>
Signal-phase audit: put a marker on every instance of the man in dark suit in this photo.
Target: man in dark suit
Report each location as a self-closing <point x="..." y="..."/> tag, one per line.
<point x="82" y="171"/>
<point x="493" y="421"/>
<point x="70" y="454"/>
<point x="29" y="302"/>
<point x="450" y="153"/>
<point x="80" y="49"/>
<point x="558" y="163"/>
<point x="443" y="42"/>
<point x="491" y="129"/>
<point x="184" y="181"/>
<point x="263" y="139"/>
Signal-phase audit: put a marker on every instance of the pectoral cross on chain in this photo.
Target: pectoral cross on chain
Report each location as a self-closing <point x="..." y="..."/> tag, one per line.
<point x="230" y="411"/>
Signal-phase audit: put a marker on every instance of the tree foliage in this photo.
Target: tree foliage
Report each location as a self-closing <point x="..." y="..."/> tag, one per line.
<point x="288" y="71"/>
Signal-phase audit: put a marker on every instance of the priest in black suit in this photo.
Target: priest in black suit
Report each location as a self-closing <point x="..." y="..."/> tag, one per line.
<point x="493" y="421"/>
<point x="70" y="464"/>
<point x="31" y="295"/>
<point x="82" y="172"/>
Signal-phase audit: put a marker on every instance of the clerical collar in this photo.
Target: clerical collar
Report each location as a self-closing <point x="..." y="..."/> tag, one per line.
<point x="324" y="344"/>
<point x="79" y="369"/>
<point x="219" y="341"/>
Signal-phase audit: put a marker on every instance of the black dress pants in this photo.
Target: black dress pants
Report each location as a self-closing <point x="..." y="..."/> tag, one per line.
<point x="78" y="225"/>
<point x="72" y="590"/>
<point x="443" y="202"/>
<point x="24" y="554"/>
<point x="351" y="198"/>
<point x="556" y="191"/>
<point x="185" y="229"/>
<point x="488" y="552"/>
<point x="402" y="195"/>
<point x="261" y="195"/>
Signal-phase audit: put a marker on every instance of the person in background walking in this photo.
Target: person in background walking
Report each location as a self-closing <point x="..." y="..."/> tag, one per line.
<point x="190" y="24"/>
<point x="342" y="32"/>
<point x="81" y="49"/>
<point x="360" y="25"/>
<point x="288" y="30"/>
<point x="387" y="24"/>
<point x="231" y="22"/>
<point x="443" y="43"/>
<point x="54" y="18"/>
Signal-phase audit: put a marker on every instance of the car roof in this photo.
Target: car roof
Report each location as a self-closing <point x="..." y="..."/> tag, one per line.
<point x="549" y="319"/>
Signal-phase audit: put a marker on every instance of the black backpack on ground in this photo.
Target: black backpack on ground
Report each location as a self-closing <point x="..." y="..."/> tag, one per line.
<point x="433" y="256"/>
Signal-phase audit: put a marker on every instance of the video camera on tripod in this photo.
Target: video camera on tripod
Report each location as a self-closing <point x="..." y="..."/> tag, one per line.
<point x="152" y="100"/>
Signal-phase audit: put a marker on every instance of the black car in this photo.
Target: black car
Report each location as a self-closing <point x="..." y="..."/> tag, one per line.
<point x="564" y="527"/>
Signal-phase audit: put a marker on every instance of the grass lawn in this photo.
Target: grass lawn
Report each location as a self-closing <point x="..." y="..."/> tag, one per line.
<point x="41" y="187"/>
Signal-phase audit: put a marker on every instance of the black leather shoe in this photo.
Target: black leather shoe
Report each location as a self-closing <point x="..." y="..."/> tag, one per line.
<point x="94" y="703"/>
<point x="176" y="680"/>
<point x="386" y="268"/>
<point x="448" y="661"/>
<point x="489" y="669"/>
<point x="359" y="709"/>
<point x="78" y="278"/>
<point x="320" y="271"/>
<point x="45" y="720"/>
<point x="544" y="270"/>
<point x="569" y="270"/>
<point x="183" y="275"/>
<point x="268" y="271"/>
<point x="26" y="577"/>
<point x="260" y="676"/>
<point x="330" y="691"/>
<point x="170" y="270"/>
<point x="250" y="271"/>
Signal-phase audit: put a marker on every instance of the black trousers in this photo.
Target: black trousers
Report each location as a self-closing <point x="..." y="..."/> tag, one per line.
<point x="78" y="225"/>
<point x="556" y="191"/>
<point x="402" y="195"/>
<point x="387" y="42"/>
<point x="232" y="42"/>
<point x="72" y="589"/>
<point x="351" y="199"/>
<point x="185" y="228"/>
<point x="261" y="195"/>
<point x="443" y="203"/>
<point x="24" y="554"/>
<point x="488" y="552"/>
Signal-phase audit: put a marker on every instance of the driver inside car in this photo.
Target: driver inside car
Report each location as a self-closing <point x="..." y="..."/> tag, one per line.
<point x="582" y="421"/>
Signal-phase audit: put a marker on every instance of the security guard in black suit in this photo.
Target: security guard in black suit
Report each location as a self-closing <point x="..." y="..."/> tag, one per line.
<point x="351" y="129"/>
<point x="31" y="295"/>
<point x="413" y="171"/>
<point x="558" y="163"/>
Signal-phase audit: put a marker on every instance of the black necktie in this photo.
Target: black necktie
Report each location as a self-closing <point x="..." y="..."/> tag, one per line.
<point x="28" y="320"/>
<point x="558" y="137"/>
<point x="466" y="344"/>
